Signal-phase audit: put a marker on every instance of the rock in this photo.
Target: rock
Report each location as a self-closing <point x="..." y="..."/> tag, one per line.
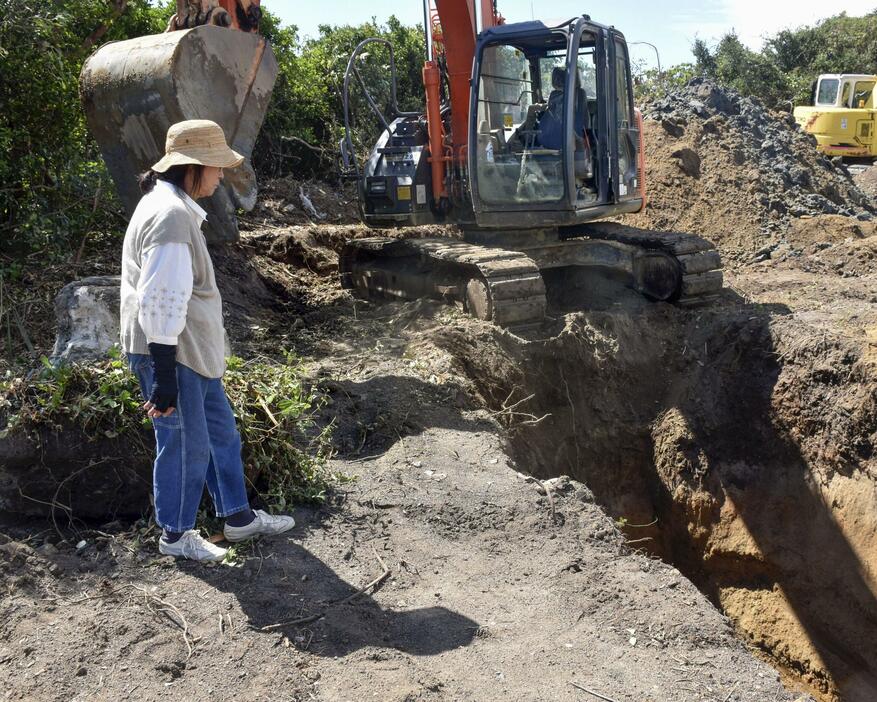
<point x="87" y="312"/>
<point x="714" y="125"/>
<point x="698" y="108"/>
<point x="688" y="161"/>
<point x="799" y="176"/>
<point x="716" y="99"/>
<point x="47" y="550"/>
<point x="673" y="128"/>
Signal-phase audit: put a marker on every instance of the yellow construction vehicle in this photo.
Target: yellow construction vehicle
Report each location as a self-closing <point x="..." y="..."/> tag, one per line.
<point x="842" y="115"/>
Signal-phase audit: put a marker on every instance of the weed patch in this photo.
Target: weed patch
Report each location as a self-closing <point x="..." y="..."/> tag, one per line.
<point x="285" y="451"/>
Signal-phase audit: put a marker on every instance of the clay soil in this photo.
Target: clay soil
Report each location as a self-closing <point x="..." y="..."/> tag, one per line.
<point x="651" y="503"/>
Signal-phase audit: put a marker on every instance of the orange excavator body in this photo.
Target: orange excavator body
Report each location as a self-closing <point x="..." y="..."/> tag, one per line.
<point x="528" y="139"/>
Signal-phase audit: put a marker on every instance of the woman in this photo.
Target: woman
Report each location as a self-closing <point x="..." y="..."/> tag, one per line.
<point x="173" y="336"/>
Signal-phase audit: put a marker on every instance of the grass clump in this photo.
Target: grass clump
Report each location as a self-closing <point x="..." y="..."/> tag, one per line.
<point x="285" y="451"/>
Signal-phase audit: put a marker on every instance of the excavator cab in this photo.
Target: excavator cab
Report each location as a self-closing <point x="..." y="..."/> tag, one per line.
<point x="553" y="132"/>
<point x="553" y="137"/>
<point x="842" y="115"/>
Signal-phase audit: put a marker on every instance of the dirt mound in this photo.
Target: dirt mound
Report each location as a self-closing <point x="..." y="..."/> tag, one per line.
<point x="828" y="243"/>
<point x="867" y="181"/>
<point x="289" y="201"/>
<point x="722" y="166"/>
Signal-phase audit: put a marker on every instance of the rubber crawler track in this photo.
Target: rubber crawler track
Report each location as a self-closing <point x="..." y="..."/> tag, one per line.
<point x="698" y="258"/>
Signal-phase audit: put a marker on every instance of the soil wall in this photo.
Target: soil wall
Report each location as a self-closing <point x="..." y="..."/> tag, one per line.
<point x="747" y="435"/>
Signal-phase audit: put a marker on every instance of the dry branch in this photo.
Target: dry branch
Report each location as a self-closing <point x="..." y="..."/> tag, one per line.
<point x="319" y="615"/>
<point x="591" y="692"/>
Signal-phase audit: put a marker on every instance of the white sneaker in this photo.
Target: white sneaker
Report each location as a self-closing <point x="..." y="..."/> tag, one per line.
<point x="193" y="546"/>
<point x="264" y="523"/>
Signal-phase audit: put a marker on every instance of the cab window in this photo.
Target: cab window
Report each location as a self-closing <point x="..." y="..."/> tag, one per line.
<point x="827" y="93"/>
<point x="862" y="93"/>
<point x="518" y="158"/>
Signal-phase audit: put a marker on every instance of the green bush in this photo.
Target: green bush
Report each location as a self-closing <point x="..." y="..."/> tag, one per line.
<point x="305" y="120"/>
<point x="782" y="73"/>
<point x="55" y="188"/>
<point x="54" y="184"/>
<point x="650" y="84"/>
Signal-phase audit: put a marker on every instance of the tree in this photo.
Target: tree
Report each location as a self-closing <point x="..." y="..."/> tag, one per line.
<point x="49" y="166"/>
<point x="304" y="123"/>
<point x="704" y="61"/>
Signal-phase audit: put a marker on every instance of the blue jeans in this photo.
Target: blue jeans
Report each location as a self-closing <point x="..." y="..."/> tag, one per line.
<point x="197" y="444"/>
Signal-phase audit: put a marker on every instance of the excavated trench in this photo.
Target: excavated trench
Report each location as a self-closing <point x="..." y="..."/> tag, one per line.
<point x="734" y="442"/>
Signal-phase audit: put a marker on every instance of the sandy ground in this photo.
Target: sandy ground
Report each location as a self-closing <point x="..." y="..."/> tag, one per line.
<point x="493" y="590"/>
<point x="745" y="428"/>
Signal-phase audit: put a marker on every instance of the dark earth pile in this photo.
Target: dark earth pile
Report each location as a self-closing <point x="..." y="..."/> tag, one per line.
<point x="723" y="166"/>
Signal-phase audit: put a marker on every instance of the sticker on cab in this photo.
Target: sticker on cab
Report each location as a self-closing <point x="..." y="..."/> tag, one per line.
<point x="403" y="192"/>
<point x="508" y="121"/>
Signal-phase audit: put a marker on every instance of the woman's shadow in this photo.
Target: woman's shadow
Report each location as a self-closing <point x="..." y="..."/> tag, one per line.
<point x="284" y="588"/>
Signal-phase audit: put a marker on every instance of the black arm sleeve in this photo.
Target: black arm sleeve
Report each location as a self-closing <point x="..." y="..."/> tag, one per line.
<point x="164" y="376"/>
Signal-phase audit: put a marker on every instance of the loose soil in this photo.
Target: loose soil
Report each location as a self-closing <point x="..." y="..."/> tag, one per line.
<point x="500" y="586"/>
<point x="733" y="441"/>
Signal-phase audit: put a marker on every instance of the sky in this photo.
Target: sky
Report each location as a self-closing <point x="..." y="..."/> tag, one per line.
<point x="671" y="26"/>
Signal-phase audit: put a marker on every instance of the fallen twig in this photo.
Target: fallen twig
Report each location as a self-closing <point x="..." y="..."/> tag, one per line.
<point x="294" y="622"/>
<point x="591" y="692"/>
<point x="165" y="608"/>
<point x="85" y="598"/>
<point x="374" y="583"/>
<point x="572" y="416"/>
<point x="365" y="458"/>
<point x="731" y="692"/>
<point x="319" y="615"/>
<point x="637" y="541"/>
<point x="628" y="525"/>
<point x="268" y="412"/>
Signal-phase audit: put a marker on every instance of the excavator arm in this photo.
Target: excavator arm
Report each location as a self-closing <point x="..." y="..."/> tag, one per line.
<point x="452" y="28"/>
<point x="236" y="14"/>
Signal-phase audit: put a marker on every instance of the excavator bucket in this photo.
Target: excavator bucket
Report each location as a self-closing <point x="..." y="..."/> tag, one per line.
<point x="132" y="91"/>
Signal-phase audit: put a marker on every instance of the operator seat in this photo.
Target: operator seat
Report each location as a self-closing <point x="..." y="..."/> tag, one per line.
<point x="551" y="122"/>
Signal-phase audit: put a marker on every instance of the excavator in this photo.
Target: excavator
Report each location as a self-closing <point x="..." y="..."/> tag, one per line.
<point x="211" y="63"/>
<point x="528" y="142"/>
<point x="842" y="116"/>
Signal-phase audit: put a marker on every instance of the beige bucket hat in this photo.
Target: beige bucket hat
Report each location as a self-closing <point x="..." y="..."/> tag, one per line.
<point x="197" y="141"/>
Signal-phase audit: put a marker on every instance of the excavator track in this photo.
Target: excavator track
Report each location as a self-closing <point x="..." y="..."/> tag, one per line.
<point x="493" y="284"/>
<point x="699" y="261"/>
<point x="506" y="287"/>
